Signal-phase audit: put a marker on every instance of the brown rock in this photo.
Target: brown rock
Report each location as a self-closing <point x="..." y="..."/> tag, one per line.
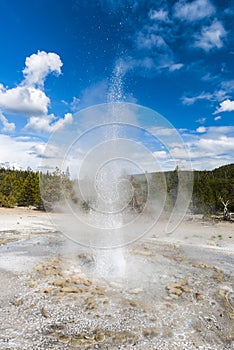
<point x="144" y="252"/>
<point x="173" y="285"/>
<point x="100" y="337"/>
<point x="198" y="296"/>
<point x="89" y="336"/>
<point x="176" y="291"/>
<point x="91" y="306"/>
<point x="86" y="257"/>
<point x="219" y="276"/>
<point x="39" y="267"/>
<point x="136" y="291"/>
<point x="151" y="332"/>
<point x="183" y="282"/>
<point x="87" y="283"/>
<point x="60" y="283"/>
<point x="59" y="294"/>
<point x="64" y="338"/>
<point x="133" y="303"/>
<point x="44" y="312"/>
<point x="17" y="302"/>
<point x="69" y="289"/>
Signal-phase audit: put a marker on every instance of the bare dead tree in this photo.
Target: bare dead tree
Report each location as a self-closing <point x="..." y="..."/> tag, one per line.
<point x="226" y="213"/>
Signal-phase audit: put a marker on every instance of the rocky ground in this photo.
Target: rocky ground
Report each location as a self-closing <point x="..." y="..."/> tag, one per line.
<point x="175" y="293"/>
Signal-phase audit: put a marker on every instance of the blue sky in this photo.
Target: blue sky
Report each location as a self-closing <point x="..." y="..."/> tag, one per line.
<point x="58" y="57"/>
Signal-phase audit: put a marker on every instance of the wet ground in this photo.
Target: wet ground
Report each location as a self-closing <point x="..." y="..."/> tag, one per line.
<point x="169" y="294"/>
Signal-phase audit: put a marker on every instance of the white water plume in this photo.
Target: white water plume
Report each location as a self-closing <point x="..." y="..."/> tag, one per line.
<point x="119" y="190"/>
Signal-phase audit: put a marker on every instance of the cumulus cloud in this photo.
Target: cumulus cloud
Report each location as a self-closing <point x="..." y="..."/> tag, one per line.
<point x="7" y="127"/>
<point x="210" y="147"/>
<point x="48" y="123"/>
<point x="29" y="99"/>
<point x="225" y="106"/>
<point x="19" y="153"/>
<point x="161" y="154"/>
<point x="23" y="100"/>
<point x="201" y="129"/>
<point x="221" y="145"/>
<point x="193" y="11"/>
<point x="217" y="118"/>
<point x="38" y="66"/>
<point x="211" y="37"/>
<point x="46" y="151"/>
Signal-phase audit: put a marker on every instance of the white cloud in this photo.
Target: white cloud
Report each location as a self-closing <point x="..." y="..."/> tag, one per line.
<point x="217" y="95"/>
<point x="191" y="100"/>
<point x="24" y="100"/>
<point x="160" y="15"/>
<point x="161" y="154"/>
<point x="38" y="66"/>
<point x="228" y="85"/>
<point x="217" y="140"/>
<point x="75" y="104"/>
<point x="217" y="130"/>
<point x="162" y="131"/>
<point x="176" y="66"/>
<point x="225" y="106"/>
<point x="201" y="129"/>
<point x="154" y="49"/>
<point x="46" y="151"/>
<point x="48" y="123"/>
<point x="218" y="117"/>
<point x="193" y="11"/>
<point x="7" y="127"/>
<point x="208" y="148"/>
<point x="218" y="146"/>
<point x="150" y="40"/>
<point x="18" y="153"/>
<point x="210" y="37"/>
<point x="29" y="99"/>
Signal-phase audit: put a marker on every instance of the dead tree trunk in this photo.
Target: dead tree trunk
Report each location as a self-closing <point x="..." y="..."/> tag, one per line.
<point x="226" y="214"/>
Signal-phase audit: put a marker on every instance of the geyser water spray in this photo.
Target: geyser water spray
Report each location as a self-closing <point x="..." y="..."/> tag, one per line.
<point x="117" y="154"/>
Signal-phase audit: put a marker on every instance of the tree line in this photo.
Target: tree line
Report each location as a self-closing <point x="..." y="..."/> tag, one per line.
<point x="212" y="190"/>
<point x="42" y="190"/>
<point x="32" y="188"/>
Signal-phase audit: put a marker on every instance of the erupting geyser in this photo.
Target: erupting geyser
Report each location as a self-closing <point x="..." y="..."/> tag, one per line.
<point x="112" y="198"/>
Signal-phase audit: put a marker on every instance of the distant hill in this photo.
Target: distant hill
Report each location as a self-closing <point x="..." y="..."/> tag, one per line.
<point x="225" y="171"/>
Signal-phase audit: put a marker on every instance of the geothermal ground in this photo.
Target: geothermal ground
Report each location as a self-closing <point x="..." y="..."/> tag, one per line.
<point x="177" y="291"/>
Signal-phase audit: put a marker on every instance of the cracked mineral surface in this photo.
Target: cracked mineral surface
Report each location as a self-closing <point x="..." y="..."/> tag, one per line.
<point x="177" y="291"/>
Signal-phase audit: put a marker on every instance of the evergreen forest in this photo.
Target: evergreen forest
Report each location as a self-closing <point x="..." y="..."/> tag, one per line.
<point x="27" y="187"/>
